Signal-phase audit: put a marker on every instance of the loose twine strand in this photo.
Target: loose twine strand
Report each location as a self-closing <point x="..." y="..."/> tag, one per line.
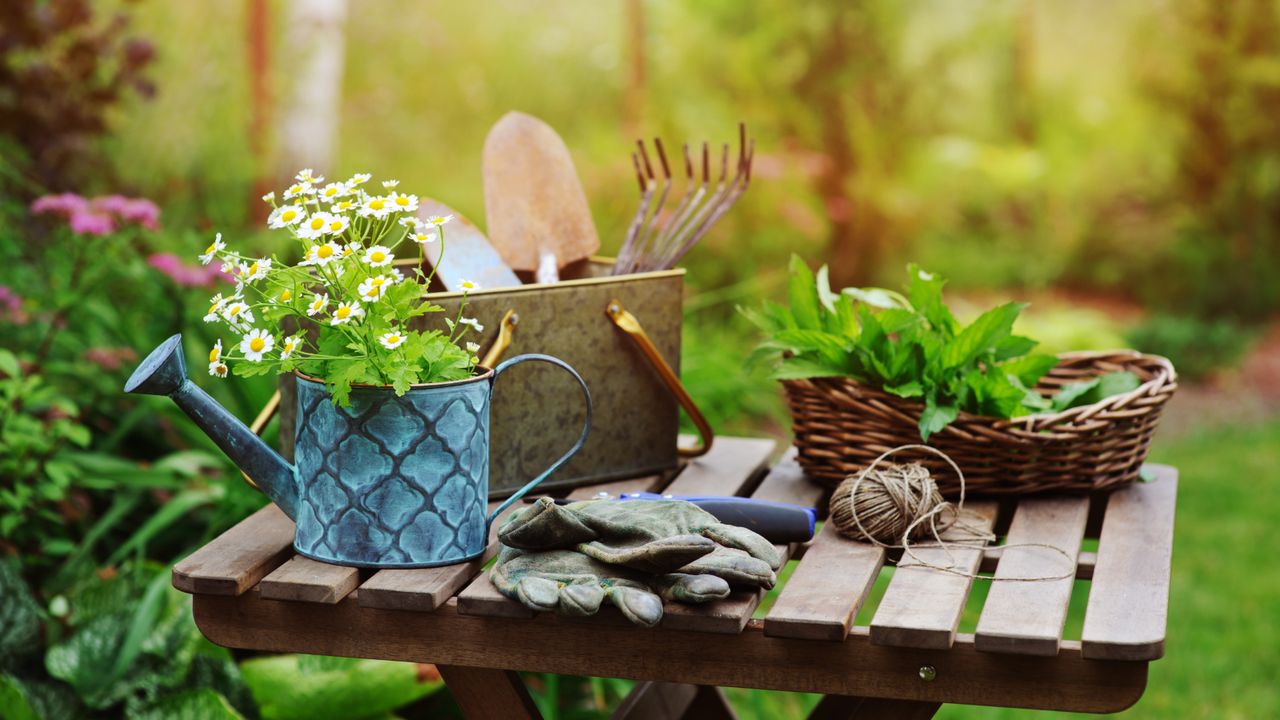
<point x="893" y="505"/>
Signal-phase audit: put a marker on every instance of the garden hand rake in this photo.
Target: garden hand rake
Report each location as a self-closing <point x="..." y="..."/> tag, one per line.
<point x="657" y="241"/>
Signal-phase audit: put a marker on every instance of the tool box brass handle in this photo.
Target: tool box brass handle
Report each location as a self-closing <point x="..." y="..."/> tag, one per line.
<point x="506" y="329"/>
<point x="259" y="424"/>
<point x="631" y="326"/>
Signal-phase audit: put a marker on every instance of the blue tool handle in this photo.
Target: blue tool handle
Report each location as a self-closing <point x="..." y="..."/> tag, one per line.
<point x="777" y="522"/>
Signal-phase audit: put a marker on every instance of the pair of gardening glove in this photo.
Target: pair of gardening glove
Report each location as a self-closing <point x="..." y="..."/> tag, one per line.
<point x="635" y="554"/>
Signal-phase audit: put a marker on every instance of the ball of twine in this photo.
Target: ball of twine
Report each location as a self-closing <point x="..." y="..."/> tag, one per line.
<point x="884" y="503"/>
<point x="893" y="505"/>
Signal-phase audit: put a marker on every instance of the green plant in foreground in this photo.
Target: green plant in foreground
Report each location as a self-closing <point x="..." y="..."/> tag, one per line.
<point x="913" y="347"/>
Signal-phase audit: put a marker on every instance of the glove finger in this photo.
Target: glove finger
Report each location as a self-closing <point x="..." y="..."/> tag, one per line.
<point x="655" y="557"/>
<point x="695" y="589"/>
<point x="741" y="538"/>
<point x="735" y="566"/>
<point x="544" y="525"/>
<point x="639" y="606"/>
<point x="581" y="599"/>
<point x="537" y="593"/>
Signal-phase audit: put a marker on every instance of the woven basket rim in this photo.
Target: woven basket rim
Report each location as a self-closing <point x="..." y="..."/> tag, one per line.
<point x="1165" y="378"/>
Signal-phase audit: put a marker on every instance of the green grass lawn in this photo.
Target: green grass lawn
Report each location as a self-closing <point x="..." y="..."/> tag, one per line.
<point x="1222" y="657"/>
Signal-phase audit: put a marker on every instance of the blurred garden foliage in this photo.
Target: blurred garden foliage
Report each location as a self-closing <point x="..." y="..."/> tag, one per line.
<point x="1124" y="152"/>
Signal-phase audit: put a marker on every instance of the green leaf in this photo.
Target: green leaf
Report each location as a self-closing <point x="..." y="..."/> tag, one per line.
<point x="197" y="704"/>
<point x="910" y="389"/>
<point x="936" y="417"/>
<point x="982" y="336"/>
<point x="1030" y="368"/>
<point x="924" y="291"/>
<point x="19" y="617"/>
<point x="9" y="364"/>
<point x="299" y="687"/>
<point x="803" y="368"/>
<point x="803" y="296"/>
<point x="823" y="285"/>
<point x="993" y="394"/>
<point x="1014" y="346"/>
<point x="877" y="298"/>
<point x="1087" y="392"/>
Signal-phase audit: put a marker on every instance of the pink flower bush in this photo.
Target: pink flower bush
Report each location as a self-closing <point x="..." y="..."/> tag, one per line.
<point x="100" y="215"/>
<point x="11" y="307"/>
<point x="186" y="275"/>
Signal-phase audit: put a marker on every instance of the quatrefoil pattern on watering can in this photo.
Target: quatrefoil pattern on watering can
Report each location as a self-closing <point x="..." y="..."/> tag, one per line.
<point x="393" y="481"/>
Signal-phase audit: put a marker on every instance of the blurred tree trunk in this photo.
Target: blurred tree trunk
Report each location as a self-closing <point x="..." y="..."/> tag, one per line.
<point x="315" y="46"/>
<point x="845" y="78"/>
<point x="258" y="31"/>
<point x="633" y="100"/>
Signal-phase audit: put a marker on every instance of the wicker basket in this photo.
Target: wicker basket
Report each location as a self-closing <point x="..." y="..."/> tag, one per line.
<point x="841" y="426"/>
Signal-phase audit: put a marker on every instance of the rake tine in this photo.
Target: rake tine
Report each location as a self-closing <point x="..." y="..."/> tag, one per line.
<point x="681" y="237"/>
<point x="663" y="240"/>
<point x="672" y="228"/>
<point x="740" y="182"/>
<point x="627" y="252"/>
<point x="649" y="228"/>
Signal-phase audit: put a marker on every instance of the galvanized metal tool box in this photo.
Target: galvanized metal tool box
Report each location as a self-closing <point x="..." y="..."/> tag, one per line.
<point x="537" y="409"/>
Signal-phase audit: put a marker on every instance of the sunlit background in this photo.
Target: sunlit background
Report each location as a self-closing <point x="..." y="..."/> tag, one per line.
<point x="1117" y="164"/>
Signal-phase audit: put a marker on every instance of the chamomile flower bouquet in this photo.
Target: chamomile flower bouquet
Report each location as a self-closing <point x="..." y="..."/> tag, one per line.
<point x="341" y="314"/>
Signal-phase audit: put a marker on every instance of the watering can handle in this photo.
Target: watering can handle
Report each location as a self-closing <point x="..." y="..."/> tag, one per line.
<point x="582" y="439"/>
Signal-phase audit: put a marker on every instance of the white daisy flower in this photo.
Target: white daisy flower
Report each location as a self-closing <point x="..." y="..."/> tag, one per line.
<point x="218" y="369"/>
<point x="378" y="255"/>
<point x="402" y="202"/>
<point x="359" y="179"/>
<point x="391" y="340"/>
<point x="315" y="226"/>
<point x="214" y="248"/>
<point x="318" y="303"/>
<point x="237" y="313"/>
<point x="290" y="344"/>
<point x="342" y="206"/>
<point x="424" y="237"/>
<point x="411" y="222"/>
<point x="333" y="191"/>
<point x="468" y="286"/>
<point x="306" y="175"/>
<point x="337" y="224"/>
<point x="375" y="206"/>
<point x="347" y="312"/>
<point x="256" y="270"/>
<point x="286" y="215"/>
<point x="215" y="308"/>
<point x="299" y="189"/>
<point x="216" y="353"/>
<point x="473" y="347"/>
<point x="285" y="295"/>
<point x="375" y="288"/>
<point x="439" y="220"/>
<point x="269" y="197"/>
<point x="474" y="323"/>
<point x="256" y="344"/>
<point x="388" y="184"/>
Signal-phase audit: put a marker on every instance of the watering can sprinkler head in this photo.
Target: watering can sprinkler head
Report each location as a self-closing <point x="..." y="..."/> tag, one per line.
<point x="164" y="372"/>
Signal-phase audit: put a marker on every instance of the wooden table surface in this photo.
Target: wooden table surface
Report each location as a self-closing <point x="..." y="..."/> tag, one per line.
<point x="252" y="591"/>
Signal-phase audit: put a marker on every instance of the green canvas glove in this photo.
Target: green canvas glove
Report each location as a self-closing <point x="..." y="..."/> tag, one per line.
<point x="570" y="583"/>
<point x="652" y="536"/>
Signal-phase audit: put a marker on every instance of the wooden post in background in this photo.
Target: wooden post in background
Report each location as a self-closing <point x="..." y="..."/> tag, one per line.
<point x="315" y="46"/>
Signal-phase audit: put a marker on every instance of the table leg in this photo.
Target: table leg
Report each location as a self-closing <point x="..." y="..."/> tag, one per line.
<point x="674" y="701"/>
<point x="483" y="693"/>
<point x="709" y="704"/>
<point x="846" y="707"/>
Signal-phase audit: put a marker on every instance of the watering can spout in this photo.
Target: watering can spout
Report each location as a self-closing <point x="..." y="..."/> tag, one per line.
<point x="164" y="372"/>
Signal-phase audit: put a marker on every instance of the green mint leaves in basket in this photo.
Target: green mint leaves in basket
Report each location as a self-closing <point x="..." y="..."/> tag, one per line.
<point x="911" y="345"/>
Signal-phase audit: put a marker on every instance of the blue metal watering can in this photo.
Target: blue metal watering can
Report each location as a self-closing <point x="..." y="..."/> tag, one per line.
<point x="388" y="482"/>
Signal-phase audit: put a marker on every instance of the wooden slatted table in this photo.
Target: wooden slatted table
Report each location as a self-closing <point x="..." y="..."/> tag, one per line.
<point x="251" y="591"/>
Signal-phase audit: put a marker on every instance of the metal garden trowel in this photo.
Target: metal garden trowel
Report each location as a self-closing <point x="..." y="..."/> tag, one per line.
<point x="537" y="211"/>
<point x="470" y="255"/>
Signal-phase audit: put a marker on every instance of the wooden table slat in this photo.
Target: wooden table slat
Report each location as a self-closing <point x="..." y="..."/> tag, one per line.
<point x="237" y="559"/>
<point x="921" y="607"/>
<point x="306" y="580"/>
<point x="1027" y="617"/>
<point x="823" y="595"/>
<point x="1129" y="598"/>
